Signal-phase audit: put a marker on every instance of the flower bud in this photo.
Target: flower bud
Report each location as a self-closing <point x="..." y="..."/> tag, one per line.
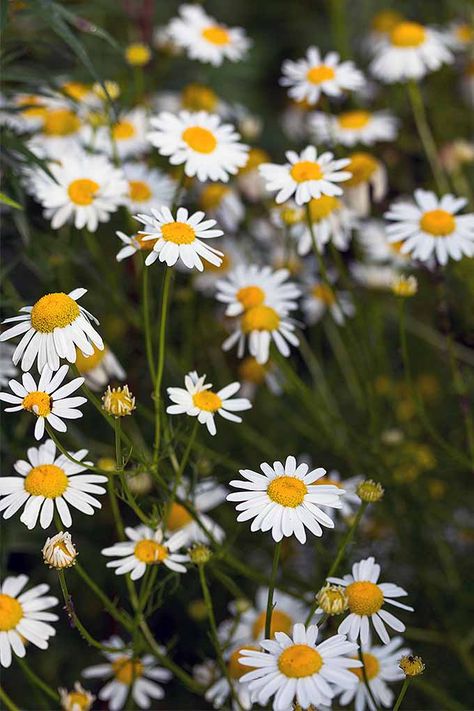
<point x="411" y="666"/>
<point x="404" y="286"/>
<point x="333" y="599"/>
<point x="59" y="551"/>
<point x="118" y="401"/>
<point x="77" y="700"/>
<point x="370" y="491"/>
<point x="199" y="554"/>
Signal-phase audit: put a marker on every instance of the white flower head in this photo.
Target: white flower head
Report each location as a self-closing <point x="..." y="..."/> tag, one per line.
<point x="147" y="187"/>
<point x="99" y="368"/>
<point x="206" y="495"/>
<point x="79" y="699"/>
<point x="368" y="183"/>
<point x="128" y="136"/>
<point x="332" y="222"/>
<point x="250" y="286"/>
<point x="351" y="127"/>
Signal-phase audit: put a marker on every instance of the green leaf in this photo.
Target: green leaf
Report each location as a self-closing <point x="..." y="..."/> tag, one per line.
<point x="8" y="201"/>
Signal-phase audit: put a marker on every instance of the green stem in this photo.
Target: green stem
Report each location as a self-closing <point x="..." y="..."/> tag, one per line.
<point x="182" y="465"/>
<point x="8" y="703"/>
<point x="426" y="136"/>
<point x="146" y="322"/>
<point x="271" y="588"/>
<point x="69" y="456"/>
<point x="366" y="679"/>
<point x="402" y="693"/>
<point x="339" y="26"/>
<point x="161" y="362"/>
<point x="34" y="678"/>
<point x="121" y="617"/>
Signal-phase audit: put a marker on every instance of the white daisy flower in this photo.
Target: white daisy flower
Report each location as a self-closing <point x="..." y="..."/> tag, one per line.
<point x="29" y="113"/>
<point x="128" y="136"/>
<point x="132" y="245"/>
<point x="198" y="400"/>
<point x="248" y="287"/>
<point x="180" y="238"/>
<point x="305" y="176"/>
<point x="85" y="190"/>
<point x="322" y="298"/>
<point x="49" y="400"/>
<point x="79" y="699"/>
<point x="381" y="666"/>
<point x="52" y="329"/>
<point x="260" y="325"/>
<point x="60" y="131"/>
<point x="206" y="495"/>
<point x="374" y="276"/>
<point x="219" y="691"/>
<point x="366" y="600"/>
<point x="350" y="502"/>
<point x="223" y="203"/>
<point x="459" y="36"/>
<point x="205" y="39"/>
<point x="136" y="676"/>
<point x="99" y="368"/>
<point x="209" y="149"/>
<point x="351" y="127"/>
<point x="381" y="25"/>
<point x="146" y="547"/>
<point x="332" y="222"/>
<point x="253" y="374"/>
<point x="368" y="182"/>
<point x="285" y="499"/>
<point x="23" y="618"/>
<point x="410" y="51"/>
<point x="431" y="227"/>
<point x="373" y="238"/>
<point x="296" y="669"/>
<point x="147" y="187"/>
<point x="47" y="482"/>
<point x="7" y="367"/>
<point x="314" y="75"/>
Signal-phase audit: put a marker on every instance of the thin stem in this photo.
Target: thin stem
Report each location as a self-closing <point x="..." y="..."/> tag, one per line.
<point x="426" y="136"/>
<point x="366" y="679"/>
<point x="6" y="700"/>
<point x="402" y="693"/>
<point x="69" y="456"/>
<point x="161" y="363"/>
<point x="121" y="617"/>
<point x="34" y="678"/>
<point x="179" y="473"/>
<point x="271" y="588"/>
<point x="146" y="322"/>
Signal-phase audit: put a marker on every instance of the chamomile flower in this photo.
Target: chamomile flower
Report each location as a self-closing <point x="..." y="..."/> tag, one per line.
<point x="52" y="329"/>
<point x="204" y="496"/>
<point x="367" y="183"/>
<point x="7" y="367"/>
<point x="332" y="222"/>
<point x="350" y="502"/>
<point x="47" y="482"/>
<point x="366" y="600"/>
<point x="285" y="499"/>
<point x="409" y="52"/>
<point x="305" y="175"/>
<point x="24" y="617"/>
<point x="126" y="674"/>
<point x="294" y="669"/>
<point x="381" y="26"/>
<point x="132" y="245"/>
<point x="219" y="691"/>
<point x="314" y="75"/>
<point x="49" y="400"/>
<point x="249" y="180"/>
<point x="180" y="238"/>
<point x="128" y="136"/>
<point x="381" y="666"/>
<point x="85" y="189"/>
<point x="459" y="36"/>
<point x="146" y="547"/>
<point x="247" y="287"/>
<point x="147" y="187"/>
<point x="198" y="400"/>
<point x="209" y="149"/>
<point x="99" y="368"/>
<point x="260" y="326"/>
<point x="79" y="699"/>
<point x="351" y="127"/>
<point x="222" y="202"/>
<point x="60" y="131"/>
<point x="431" y="227"/>
<point x="253" y="375"/>
<point x="204" y="38"/>
<point x="375" y="243"/>
<point x="322" y="298"/>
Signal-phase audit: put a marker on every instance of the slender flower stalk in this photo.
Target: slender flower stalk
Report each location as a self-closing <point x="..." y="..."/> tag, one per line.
<point x="271" y="589"/>
<point x="161" y="362"/>
<point x="146" y="321"/>
<point x="402" y="693"/>
<point x="36" y="681"/>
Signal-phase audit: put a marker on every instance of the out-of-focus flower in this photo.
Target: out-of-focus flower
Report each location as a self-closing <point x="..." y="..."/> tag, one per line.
<point x="137" y="54"/>
<point x="199" y="97"/>
<point x="253" y="374"/>
<point x="351" y="127"/>
<point x="381" y="26"/>
<point x="249" y="179"/>
<point x="118" y="402"/>
<point x="370" y="491"/>
<point x="405" y="286"/>
<point x="112" y="90"/>
<point x="79" y="699"/>
<point x="459" y="36"/>
<point x="372" y="236"/>
<point x="332" y="222"/>
<point x="7" y="367"/>
<point x="127" y="136"/>
<point x="321" y="298"/>
<point x="223" y="203"/>
<point x="59" y="551"/>
<point x="368" y="180"/>
<point x="248" y="287"/>
<point x="147" y="187"/>
<point x="99" y="368"/>
<point x="453" y="155"/>
<point x="206" y="495"/>
<point x="199" y="554"/>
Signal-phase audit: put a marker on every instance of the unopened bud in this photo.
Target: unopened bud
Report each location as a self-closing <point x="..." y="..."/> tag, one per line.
<point x="370" y="491"/>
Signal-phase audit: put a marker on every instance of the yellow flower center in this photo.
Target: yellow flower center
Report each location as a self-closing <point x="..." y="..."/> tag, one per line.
<point x="365" y="598"/>
<point x="438" y="223"/>
<point x="76" y="698"/>
<point x="11" y="612"/>
<point x="178" y="232"/>
<point x="178" y="517"/>
<point x="287" y="491"/>
<point x="85" y="364"/>
<point x="118" y="401"/>
<point x="292" y="215"/>
<point x="362" y="167"/>
<point x="60" y="122"/>
<point x="212" y="195"/>
<point x="37" y="402"/>
<point x="150" y="552"/>
<point x="299" y="661"/>
<point x="465" y="33"/>
<point x="207" y="400"/>
<point x="216" y="35"/>
<point x="316" y="75"/>
<point x="82" y="191"/>
<point x="371" y="664"/>
<point x="260" y="318"/>
<point x="199" y="139"/>
<point x="75" y="89"/>
<point x="252" y="371"/>
<point x="127" y="670"/>
<point x="236" y="669"/>
<point x="35" y="107"/>
<point x="323" y="206"/>
<point x="250" y="296"/>
<point x="324" y="293"/>
<point x="327" y="481"/>
<point x="386" y="20"/>
<point x="138" y="54"/>
<point x="351" y="120"/>
<point x="145" y="244"/>
<point x="139" y="191"/>
<point x="281" y="622"/>
<point x="46" y="480"/>
<point x="197" y="97"/>
<point x="52" y="311"/>
<point x="306" y="170"/>
<point x="123" y="130"/>
<point x="408" y="34"/>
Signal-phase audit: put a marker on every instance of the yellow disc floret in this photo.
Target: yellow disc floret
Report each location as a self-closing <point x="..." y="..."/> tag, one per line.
<point x="38" y="402"/>
<point x="306" y="170"/>
<point x="323" y="206"/>
<point x="250" y="296"/>
<point x="324" y="293"/>
<point x="199" y="139"/>
<point x="52" y="311"/>
<point x="352" y="120"/>
<point x="235" y="668"/>
<point x="118" y="401"/>
<point x="178" y="517"/>
<point x="207" y="400"/>
<point x="362" y="167"/>
<point x="60" y="122"/>
<point x="138" y="54"/>
<point x="85" y="364"/>
<point x="365" y="598"/>
<point x="212" y="195"/>
<point x="149" y="551"/>
<point x="260" y="318"/>
<point x="46" y="480"/>
<point x="139" y="191"/>
<point x="82" y="191"/>
<point x="178" y="232"/>
<point x="287" y="491"/>
<point x="371" y="665"/>
<point x="197" y="97"/>
<point x="408" y="34"/>
<point x="123" y="130"/>
<point x="281" y="622"/>
<point x="439" y="223"/>
<point x="316" y="75"/>
<point x="11" y="612"/>
<point x="215" y="34"/>
<point x="299" y="661"/>
<point x="126" y="670"/>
